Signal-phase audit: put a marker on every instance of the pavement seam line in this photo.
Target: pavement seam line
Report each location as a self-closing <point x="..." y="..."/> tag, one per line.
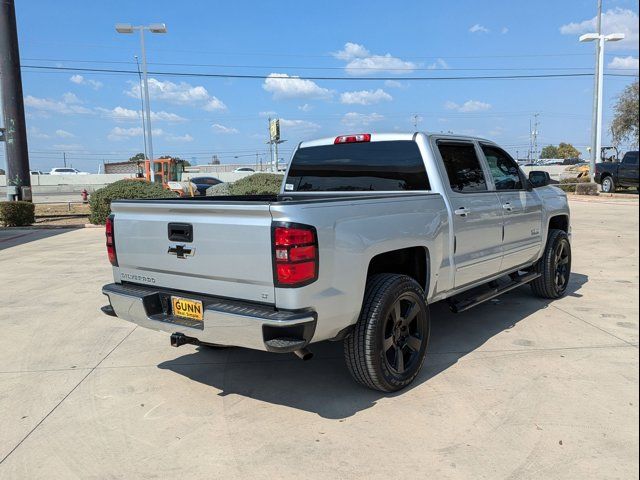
<point x="595" y="326"/>
<point x="65" y="397"/>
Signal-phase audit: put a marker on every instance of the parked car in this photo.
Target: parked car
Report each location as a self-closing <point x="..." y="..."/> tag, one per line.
<point x="66" y="171"/>
<point x="36" y="172"/>
<point x="243" y="169"/>
<point x="367" y="231"/>
<point x="612" y="175"/>
<point x="202" y="183"/>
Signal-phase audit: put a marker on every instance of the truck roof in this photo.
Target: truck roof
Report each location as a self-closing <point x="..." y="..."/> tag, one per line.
<point x="387" y="137"/>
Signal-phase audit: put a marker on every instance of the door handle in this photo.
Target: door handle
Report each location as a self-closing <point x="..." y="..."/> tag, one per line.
<point x="508" y="207"/>
<point x="462" y="212"/>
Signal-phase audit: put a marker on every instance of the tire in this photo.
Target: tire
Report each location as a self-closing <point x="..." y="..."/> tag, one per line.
<point x="555" y="267"/>
<point x="387" y="347"/>
<point x="608" y="185"/>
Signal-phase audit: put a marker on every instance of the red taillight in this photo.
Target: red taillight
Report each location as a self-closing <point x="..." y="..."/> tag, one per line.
<point x="285" y="236"/>
<point x="357" y="138"/>
<point x="111" y="244"/>
<point x="295" y="255"/>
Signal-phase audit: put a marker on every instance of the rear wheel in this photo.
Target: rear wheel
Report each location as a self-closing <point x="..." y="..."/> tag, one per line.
<point x="608" y="185"/>
<point x="388" y="345"/>
<point x="555" y="267"/>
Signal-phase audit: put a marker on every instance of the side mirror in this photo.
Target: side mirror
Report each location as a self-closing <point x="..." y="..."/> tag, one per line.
<point x="539" y="178"/>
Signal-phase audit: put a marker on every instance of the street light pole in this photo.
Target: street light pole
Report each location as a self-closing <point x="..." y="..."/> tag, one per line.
<point x="599" y="91"/>
<point x="153" y="28"/>
<point x="597" y="133"/>
<point x="147" y="105"/>
<point x="596" y="87"/>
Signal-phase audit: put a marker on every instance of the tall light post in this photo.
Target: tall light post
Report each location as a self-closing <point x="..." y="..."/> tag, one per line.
<point x="153" y="28"/>
<point x="597" y="132"/>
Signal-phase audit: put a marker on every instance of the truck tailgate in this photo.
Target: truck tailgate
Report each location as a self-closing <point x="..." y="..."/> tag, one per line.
<point x="229" y="255"/>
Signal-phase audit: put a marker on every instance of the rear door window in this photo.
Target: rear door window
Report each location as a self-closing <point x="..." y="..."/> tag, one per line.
<point x="369" y="166"/>
<point x="630" y="158"/>
<point x="463" y="167"/>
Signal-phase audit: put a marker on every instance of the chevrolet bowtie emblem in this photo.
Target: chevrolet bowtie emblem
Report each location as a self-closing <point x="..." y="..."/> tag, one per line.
<point x="181" y="251"/>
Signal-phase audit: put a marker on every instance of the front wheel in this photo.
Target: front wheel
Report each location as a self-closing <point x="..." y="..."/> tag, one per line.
<point x="554" y="267"/>
<point x="387" y="348"/>
<point x="608" y="185"/>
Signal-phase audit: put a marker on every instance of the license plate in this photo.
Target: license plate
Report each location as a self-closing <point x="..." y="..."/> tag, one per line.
<point x="187" y="308"/>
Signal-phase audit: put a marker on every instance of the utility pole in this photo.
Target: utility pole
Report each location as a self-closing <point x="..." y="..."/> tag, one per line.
<point x="15" y="132"/>
<point x="534" y="135"/>
<point x="64" y="159"/>
<point x="595" y="153"/>
<point x="144" y="127"/>
<point x="416" y="117"/>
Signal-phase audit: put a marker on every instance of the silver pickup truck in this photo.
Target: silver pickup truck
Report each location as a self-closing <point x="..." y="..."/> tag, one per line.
<point x="367" y="231"/>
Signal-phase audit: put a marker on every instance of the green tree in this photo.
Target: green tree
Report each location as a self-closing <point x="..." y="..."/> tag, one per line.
<point x="137" y="157"/>
<point x="626" y="116"/>
<point x="566" y="150"/>
<point x="550" y="151"/>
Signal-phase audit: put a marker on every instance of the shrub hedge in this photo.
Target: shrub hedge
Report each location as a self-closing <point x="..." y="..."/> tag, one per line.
<point x="565" y="183"/>
<point x="587" y="189"/>
<point x="17" y="214"/>
<point x="257" y="184"/>
<point x="220" y="189"/>
<point x="100" y="200"/>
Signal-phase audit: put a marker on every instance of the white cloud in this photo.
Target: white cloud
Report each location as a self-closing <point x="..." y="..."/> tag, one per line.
<point x="283" y="86"/>
<point x="353" y="119"/>
<point x="68" y="147"/>
<point x="361" y="61"/>
<point x="218" y="128"/>
<point x="34" y="132"/>
<point x="477" y="28"/>
<point x="122" y="114"/>
<point x="80" y="80"/>
<point x="628" y="63"/>
<point x="351" y="51"/>
<point x="214" y="104"/>
<point x="64" y="134"/>
<point x="305" y="108"/>
<point x="68" y="105"/>
<point x="392" y="84"/>
<point x="468" y="106"/>
<point x="504" y="30"/>
<point x="269" y="113"/>
<point x="119" y="133"/>
<point x="299" y="125"/>
<point x="617" y="20"/>
<point x="182" y="93"/>
<point x="365" y="97"/>
<point x="179" y="138"/>
<point x="439" y="64"/>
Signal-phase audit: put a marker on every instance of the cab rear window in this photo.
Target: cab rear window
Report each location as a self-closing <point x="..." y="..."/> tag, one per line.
<point x="369" y="166"/>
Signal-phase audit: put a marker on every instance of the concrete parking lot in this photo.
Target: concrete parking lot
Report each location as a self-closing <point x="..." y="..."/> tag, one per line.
<point x="517" y="388"/>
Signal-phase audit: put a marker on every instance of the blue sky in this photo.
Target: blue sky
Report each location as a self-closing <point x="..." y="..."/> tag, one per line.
<point x="95" y="116"/>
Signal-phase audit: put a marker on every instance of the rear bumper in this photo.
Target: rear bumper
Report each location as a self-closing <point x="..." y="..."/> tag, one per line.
<point x="225" y="322"/>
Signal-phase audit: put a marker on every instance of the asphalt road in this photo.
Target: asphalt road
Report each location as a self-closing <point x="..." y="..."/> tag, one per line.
<point x="517" y="388"/>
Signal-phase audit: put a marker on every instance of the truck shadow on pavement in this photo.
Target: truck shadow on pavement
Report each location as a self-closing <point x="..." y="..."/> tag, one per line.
<point x="13" y="237"/>
<point x="323" y="385"/>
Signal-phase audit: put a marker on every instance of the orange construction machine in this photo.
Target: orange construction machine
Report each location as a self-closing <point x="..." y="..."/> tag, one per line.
<point x="167" y="171"/>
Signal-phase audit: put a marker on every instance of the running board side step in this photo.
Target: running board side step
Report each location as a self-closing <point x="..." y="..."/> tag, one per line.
<point x="467" y="303"/>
